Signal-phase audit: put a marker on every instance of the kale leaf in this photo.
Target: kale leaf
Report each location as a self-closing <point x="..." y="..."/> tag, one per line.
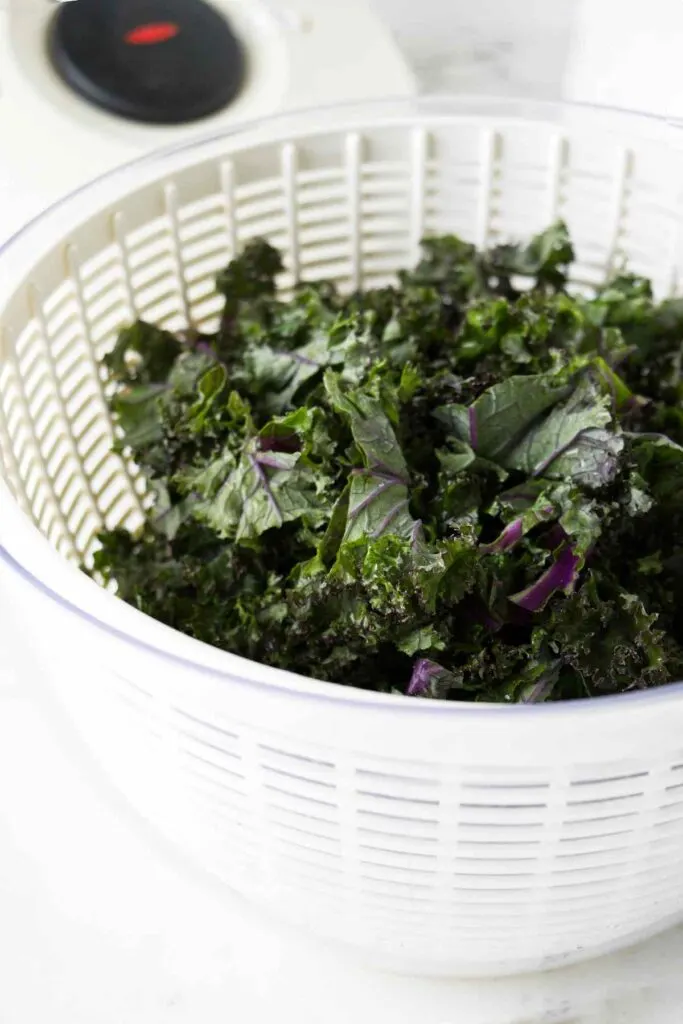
<point x="464" y="486"/>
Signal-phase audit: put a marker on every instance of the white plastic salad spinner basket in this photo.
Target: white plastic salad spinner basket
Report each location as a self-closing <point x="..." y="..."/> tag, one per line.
<point x="436" y="838"/>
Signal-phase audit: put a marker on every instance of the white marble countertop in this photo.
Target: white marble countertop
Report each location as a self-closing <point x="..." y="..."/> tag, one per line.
<point x="491" y="46"/>
<point x="622" y="53"/>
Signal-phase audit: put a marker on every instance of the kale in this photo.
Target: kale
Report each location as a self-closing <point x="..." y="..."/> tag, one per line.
<point x="466" y="486"/>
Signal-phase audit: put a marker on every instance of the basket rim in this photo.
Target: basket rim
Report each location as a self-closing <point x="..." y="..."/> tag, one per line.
<point x="267" y="678"/>
<point x="444" y="104"/>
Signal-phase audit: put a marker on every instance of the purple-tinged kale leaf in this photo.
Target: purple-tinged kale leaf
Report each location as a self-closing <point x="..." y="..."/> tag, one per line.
<point x="561" y="575"/>
<point x="467" y="485"/>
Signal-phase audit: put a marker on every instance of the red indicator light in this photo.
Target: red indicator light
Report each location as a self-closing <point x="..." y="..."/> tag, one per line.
<point x="149" y="35"/>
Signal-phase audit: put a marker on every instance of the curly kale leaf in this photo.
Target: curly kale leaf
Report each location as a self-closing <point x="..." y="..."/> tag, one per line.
<point x="467" y="485"/>
<point x="546" y="258"/>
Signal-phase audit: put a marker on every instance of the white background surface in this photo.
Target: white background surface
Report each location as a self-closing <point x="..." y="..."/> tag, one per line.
<point x="100" y="923"/>
<point x="492" y="46"/>
<point x="623" y="53"/>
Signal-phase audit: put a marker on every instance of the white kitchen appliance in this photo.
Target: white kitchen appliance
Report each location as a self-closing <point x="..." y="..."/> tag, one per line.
<point x="297" y="53"/>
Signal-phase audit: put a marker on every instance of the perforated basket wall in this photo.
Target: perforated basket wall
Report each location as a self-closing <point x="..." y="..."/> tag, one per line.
<point x="445" y="840"/>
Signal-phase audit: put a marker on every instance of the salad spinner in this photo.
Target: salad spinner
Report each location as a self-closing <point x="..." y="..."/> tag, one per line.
<point x="435" y="838"/>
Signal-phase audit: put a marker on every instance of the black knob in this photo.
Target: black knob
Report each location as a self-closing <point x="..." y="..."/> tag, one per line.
<point x="159" y="61"/>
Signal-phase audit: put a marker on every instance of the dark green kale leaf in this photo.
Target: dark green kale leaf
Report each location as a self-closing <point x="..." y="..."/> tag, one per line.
<point x="143" y="354"/>
<point x="466" y="486"/>
<point x="451" y="267"/>
<point x="609" y="640"/>
<point x="139" y="366"/>
<point x="546" y="259"/>
<point x="249" y="286"/>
